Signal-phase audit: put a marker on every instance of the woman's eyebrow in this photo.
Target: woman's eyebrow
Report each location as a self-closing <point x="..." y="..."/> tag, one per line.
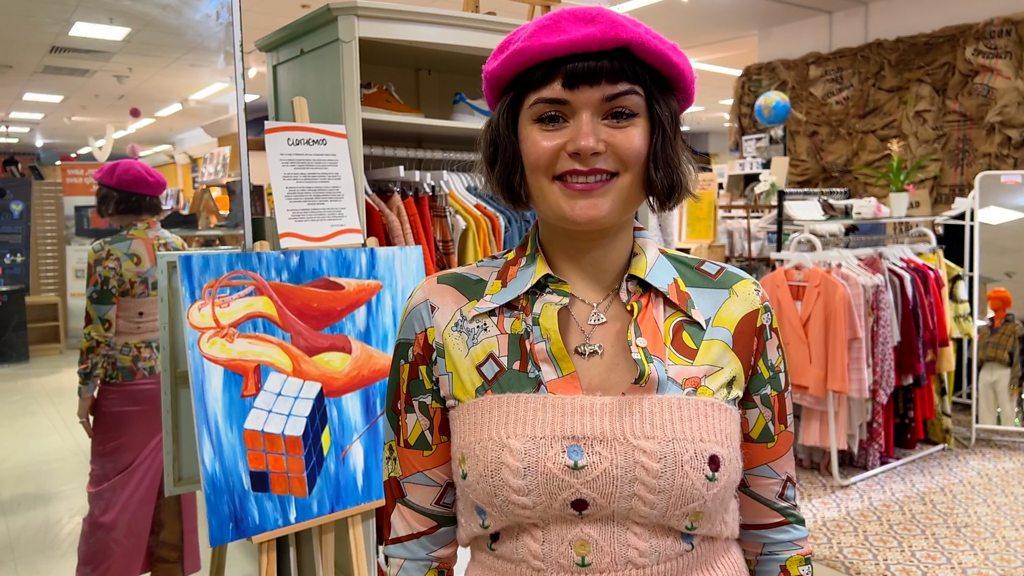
<point x="548" y="100"/>
<point x="622" y="94"/>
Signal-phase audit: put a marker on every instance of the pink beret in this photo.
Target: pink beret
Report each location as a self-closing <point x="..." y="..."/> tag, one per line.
<point x="130" y="175"/>
<point x="582" y="30"/>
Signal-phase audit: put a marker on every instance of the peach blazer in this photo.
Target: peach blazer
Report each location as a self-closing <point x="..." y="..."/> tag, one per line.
<point x="815" y="335"/>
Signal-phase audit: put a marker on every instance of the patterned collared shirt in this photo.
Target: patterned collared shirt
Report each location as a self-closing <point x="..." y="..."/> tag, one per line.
<point x="1002" y="345"/>
<point x="120" y="266"/>
<point x="698" y="328"/>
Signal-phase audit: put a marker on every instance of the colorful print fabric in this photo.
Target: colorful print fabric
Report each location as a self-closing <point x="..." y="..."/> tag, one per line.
<point x="120" y="266"/>
<point x="699" y="328"/>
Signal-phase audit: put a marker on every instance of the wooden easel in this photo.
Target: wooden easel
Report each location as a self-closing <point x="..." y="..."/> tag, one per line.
<point x="473" y="6"/>
<point x="323" y="528"/>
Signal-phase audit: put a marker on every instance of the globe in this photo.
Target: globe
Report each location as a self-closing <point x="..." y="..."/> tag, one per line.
<point x="772" y="108"/>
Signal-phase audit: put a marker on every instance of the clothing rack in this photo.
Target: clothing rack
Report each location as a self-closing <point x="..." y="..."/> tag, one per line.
<point x="807" y="257"/>
<point x="420" y="153"/>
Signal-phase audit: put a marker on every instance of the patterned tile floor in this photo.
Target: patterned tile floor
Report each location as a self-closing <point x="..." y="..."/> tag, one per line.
<point x="958" y="512"/>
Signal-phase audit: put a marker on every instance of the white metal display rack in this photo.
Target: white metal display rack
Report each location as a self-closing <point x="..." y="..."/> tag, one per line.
<point x="943" y="219"/>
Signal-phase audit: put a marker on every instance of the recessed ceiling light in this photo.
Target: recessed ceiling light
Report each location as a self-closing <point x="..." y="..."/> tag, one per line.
<point x="727" y="101"/>
<point x="8" y="140"/>
<point x="99" y="31"/>
<point x="998" y="215"/>
<point x="140" y="124"/>
<point x="209" y="91"/>
<point x="85" y="150"/>
<point x="252" y="97"/>
<point x="120" y="134"/>
<point x="15" y="129"/>
<point x="252" y="72"/>
<point x="694" y="109"/>
<point x="168" y="110"/>
<point x="57" y="163"/>
<point x="73" y="154"/>
<point x="40" y="97"/>
<point x="716" y="69"/>
<point x="155" y="149"/>
<point x="631" y="5"/>
<point x="725" y="115"/>
<point x="99" y="143"/>
<point x="685" y="128"/>
<point x="27" y="115"/>
<point x="727" y="124"/>
<point x="39" y="142"/>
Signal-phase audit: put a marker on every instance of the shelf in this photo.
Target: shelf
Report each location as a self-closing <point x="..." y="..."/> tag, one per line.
<point x="935" y="218"/>
<point x="43" y="324"/>
<point x="409" y="126"/>
<point x="45" y="349"/>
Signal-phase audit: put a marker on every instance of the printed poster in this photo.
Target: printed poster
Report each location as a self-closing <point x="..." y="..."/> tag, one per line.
<point x="314" y="189"/>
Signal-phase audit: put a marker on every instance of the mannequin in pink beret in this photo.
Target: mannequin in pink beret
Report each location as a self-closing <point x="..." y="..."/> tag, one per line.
<point x="131" y="527"/>
<point x="590" y="401"/>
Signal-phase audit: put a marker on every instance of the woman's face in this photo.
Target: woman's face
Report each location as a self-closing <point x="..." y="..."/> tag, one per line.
<point x="585" y="154"/>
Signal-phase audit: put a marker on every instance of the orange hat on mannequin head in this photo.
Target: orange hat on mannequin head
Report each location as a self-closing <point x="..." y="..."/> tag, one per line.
<point x="1001" y="295"/>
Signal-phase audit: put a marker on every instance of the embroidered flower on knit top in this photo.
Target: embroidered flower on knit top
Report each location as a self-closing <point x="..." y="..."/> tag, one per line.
<point x="698" y="328"/>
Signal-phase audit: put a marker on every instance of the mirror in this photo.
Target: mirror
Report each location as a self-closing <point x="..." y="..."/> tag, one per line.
<point x="999" y="299"/>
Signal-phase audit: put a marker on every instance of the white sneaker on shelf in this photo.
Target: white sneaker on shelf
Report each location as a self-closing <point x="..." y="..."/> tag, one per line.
<point x="465" y="109"/>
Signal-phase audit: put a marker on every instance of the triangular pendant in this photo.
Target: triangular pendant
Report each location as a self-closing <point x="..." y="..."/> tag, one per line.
<point x="597" y="318"/>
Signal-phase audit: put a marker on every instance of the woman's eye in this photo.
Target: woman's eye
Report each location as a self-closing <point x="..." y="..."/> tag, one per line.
<point x="622" y="115"/>
<point x="550" y="119"/>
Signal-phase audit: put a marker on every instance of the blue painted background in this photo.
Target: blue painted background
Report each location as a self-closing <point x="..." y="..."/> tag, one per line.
<point x="233" y="510"/>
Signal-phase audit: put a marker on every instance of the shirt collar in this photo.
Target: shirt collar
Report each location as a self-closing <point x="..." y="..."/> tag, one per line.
<point x="147" y="224"/>
<point x="525" y="266"/>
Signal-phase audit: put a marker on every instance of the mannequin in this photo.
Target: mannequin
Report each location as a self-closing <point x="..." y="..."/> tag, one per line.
<point x="999" y="355"/>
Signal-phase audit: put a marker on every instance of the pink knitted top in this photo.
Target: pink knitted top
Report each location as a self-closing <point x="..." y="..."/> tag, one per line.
<point x="631" y="486"/>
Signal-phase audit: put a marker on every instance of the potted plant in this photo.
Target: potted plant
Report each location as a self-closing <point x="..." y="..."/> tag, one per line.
<point x="898" y="176"/>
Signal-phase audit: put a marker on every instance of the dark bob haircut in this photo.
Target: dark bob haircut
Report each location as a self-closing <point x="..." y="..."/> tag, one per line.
<point x="670" y="174"/>
<point x="111" y="202"/>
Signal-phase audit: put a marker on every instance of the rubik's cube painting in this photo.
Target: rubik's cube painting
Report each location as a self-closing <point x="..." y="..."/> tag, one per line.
<point x="288" y="356"/>
<point x="286" y="436"/>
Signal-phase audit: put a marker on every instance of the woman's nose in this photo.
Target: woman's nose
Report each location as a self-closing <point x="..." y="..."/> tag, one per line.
<point x="586" y="139"/>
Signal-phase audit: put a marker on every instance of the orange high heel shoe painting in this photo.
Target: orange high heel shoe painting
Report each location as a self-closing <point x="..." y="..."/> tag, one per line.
<point x="288" y="355"/>
<point x="339" y="363"/>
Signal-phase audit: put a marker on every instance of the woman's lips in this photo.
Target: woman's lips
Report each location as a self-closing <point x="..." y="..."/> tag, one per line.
<point x="585" y="182"/>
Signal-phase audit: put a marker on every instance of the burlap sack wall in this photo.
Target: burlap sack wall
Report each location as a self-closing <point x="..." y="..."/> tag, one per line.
<point x="955" y="96"/>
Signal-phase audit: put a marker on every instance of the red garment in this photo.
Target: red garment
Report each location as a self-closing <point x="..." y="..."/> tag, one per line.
<point x="427" y="224"/>
<point x="375" y="224"/>
<point x="417" y="235"/>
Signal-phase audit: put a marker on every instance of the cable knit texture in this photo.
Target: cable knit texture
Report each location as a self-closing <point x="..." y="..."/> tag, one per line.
<point x="640" y="485"/>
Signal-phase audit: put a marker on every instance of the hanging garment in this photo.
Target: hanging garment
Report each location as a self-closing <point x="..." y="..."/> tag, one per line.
<point x="394" y="203"/>
<point x="427" y="225"/>
<point x="444" y="229"/>
<point x="417" y="233"/>
<point x="392" y="225"/>
<point x="375" y="223"/>
<point x="883" y="376"/>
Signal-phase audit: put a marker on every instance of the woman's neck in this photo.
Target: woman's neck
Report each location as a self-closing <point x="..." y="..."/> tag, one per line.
<point x="592" y="262"/>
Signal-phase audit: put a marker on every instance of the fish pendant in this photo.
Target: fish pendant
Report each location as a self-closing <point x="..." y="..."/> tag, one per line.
<point x="597" y="318"/>
<point x="587" y="349"/>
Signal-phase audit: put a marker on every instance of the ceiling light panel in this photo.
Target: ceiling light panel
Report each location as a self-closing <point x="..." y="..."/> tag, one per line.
<point x="99" y="31"/>
<point x="252" y="97"/>
<point x="84" y="150"/>
<point x="9" y="140"/>
<point x="631" y="5"/>
<point x="140" y="124"/>
<point x="15" y="129"/>
<point x="168" y="110"/>
<point x="727" y="102"/>
<point x="26" y="115"/>
<point x="716" y="69"/>
<point x="996" y="215"/>
<point x="209" y="91"/>
<point x="40" y="97"/>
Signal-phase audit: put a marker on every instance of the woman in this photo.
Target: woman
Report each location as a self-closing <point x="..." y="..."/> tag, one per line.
<point x="131" y="527"/>
<point x="588" y="402"/>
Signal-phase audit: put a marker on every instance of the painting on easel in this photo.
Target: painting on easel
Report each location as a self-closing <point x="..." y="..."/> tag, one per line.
<point x="288" y="355"/>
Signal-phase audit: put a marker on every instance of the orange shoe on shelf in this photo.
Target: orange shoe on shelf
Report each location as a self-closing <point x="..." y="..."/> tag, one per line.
<point x="292" y="307"/>
<point x="342" y="367"/>
<point x="382" y="98"/>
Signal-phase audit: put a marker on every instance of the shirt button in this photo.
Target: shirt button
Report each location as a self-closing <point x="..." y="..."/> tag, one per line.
<point x="641" y="342"/>
<point x="636" y="355"/>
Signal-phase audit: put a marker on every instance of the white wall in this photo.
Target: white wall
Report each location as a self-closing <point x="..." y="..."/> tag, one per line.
<point x="877" y="20"/>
